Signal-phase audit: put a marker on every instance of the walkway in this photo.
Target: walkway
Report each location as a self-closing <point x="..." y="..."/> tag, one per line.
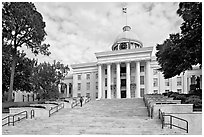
<point x="116" y="116"/>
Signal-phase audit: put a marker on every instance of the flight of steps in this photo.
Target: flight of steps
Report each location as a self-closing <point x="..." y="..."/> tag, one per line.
<point x="107" y="117"/>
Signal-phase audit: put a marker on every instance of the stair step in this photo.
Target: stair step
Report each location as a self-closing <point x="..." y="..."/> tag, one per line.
<point x="111" y="117"/>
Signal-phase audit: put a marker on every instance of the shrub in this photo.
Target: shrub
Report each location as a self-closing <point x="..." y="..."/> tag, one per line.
<point x="180" y="97"/>
<point x="173" y="94"/>
<point x="197" y="92"/>
<point x="195" y="100"/>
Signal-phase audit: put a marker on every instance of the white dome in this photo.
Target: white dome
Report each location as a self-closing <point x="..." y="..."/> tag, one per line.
<point x="127" y="37"/>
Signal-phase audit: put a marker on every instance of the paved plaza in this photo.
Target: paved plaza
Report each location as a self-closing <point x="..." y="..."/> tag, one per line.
<point x="107" y="117"/>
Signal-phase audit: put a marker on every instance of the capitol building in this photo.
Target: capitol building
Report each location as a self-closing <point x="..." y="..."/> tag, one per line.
<point x="128" y="70"/>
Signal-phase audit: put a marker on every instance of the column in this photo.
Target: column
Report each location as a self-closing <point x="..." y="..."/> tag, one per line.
<point x="109" y="81"/>
<point x="118" y="80"/>
<point x="137" y="94"/>
<point x="188" y="84"/>
<point x="99" y="81"/>
<point x="128" y="79"/>
<point x="67" y="90"/>
<point x="147" y="75"/>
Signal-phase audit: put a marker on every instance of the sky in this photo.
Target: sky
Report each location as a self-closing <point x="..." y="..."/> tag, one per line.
<point x="76" y="31"/>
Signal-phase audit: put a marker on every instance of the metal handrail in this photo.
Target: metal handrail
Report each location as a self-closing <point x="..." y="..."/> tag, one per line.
<point x="32" y="113"/>
<point x="87" y="100"/>
<point x="56" y="108"/>
<point x="162" y="115"/>
<point x="7" y="117"/>
<point x="13" y="117"/>
<point x="74" y="104"/>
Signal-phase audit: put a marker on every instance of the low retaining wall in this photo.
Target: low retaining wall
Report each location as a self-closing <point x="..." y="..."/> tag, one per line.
<point x="194" y="121"/>
<point x="172" y="108"/>
<point x="39" y="112"/>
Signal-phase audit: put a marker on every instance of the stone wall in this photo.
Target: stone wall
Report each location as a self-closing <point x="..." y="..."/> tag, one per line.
<point x="194" y="121"/>
<point x="39" y="112"/>
<point x="172" y="108"/>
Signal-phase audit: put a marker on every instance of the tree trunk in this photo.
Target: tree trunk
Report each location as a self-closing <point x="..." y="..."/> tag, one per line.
<point x="13" y="65"/>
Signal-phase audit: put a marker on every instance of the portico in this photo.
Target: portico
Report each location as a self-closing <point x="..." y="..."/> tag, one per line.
<point x="128" y="60"/>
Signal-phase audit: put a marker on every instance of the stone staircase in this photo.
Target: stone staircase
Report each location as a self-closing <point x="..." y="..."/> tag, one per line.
<point x="106" y="117"/>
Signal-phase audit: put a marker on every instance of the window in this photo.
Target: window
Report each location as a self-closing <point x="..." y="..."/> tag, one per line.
<point x="166" y="82"/>
<point x="132" y="67"/>
<point x="141" y="80"/>
<point x="155" y="80"/>
<point x="96" y="94"/>
<point x="88" y="86"/>
<point x="105" y="81"/>
<point x="96" y="85"/>
<point x="114" y="70"/>
<point x="105" y="71"/>
<point x="178" y="81"/>
<point x="179" y="90"/>
<point x="132" y="79"/>
<point x="166" y="91"/>
<point x="123" y="46"/>
<point x="114" y="80"/>
<point x="105" y="93"/>
<point x="87" y="76"/>
<point x="96" y="75"/>
<point x="193" y="79"/>
<point x="123" y="82"/>
<point x="155" y="91"/>
<point x="79" y="77"/>
<point x="87" y="94"/>
<point x="155" y="72"/>
<point x="78" y="94"/>
<point x="79" y="86"/>
<point x="141" y="68"/>
<point x="142" y="92"/>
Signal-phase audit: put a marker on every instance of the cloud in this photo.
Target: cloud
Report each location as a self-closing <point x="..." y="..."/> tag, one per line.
<point x="76" y="31"/>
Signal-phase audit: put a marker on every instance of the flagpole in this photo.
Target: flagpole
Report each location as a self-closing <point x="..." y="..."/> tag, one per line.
<point x="124" y="9"/>
<point x="126" y="18"/>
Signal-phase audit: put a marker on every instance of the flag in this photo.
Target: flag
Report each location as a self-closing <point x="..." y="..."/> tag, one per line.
<point x="124" y="10"/>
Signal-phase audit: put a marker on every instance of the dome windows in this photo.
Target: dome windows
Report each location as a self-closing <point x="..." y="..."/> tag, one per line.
<point x="127" y="40"/>
<point x="123" y="46"/>
<point x="126" y="45"/>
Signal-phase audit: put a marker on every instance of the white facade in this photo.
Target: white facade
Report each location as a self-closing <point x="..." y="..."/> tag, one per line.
<point x="128" y="71"/>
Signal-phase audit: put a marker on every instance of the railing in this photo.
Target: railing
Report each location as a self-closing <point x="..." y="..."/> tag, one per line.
<point x="87" y="100"/>
<point x="8" y="121"/>
<point x="76" y="103"/>
<point x="13" y="117"/>
<point x="56" y="109"/>
<point x="32" y="113"/>
<point x="162" y="115"/>
<point x="122" y="74"/>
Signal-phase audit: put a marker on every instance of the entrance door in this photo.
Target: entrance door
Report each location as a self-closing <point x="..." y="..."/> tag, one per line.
<point x="105" y="93"/>
<point x="123" y="94"/>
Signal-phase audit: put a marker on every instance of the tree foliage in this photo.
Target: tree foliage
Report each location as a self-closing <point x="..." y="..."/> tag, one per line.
<point x="46" y="78"/>
<point x="183" y="50"/>
<point x="22" y="25"/>
<point x="24" y="67"/>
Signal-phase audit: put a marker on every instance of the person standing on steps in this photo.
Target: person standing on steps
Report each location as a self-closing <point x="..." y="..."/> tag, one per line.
<point x="81" y="100"/>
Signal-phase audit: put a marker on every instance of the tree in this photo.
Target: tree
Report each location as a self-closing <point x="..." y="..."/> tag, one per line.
<point x="22" y="25"/>
<point x="23" y="71"/>
<point x="46" y="78"/>
<point x="183" y="50"/>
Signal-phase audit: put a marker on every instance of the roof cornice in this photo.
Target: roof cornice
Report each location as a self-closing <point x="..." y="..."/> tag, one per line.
<point x="84" y="65"/>
<point x="124" y="52"/>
